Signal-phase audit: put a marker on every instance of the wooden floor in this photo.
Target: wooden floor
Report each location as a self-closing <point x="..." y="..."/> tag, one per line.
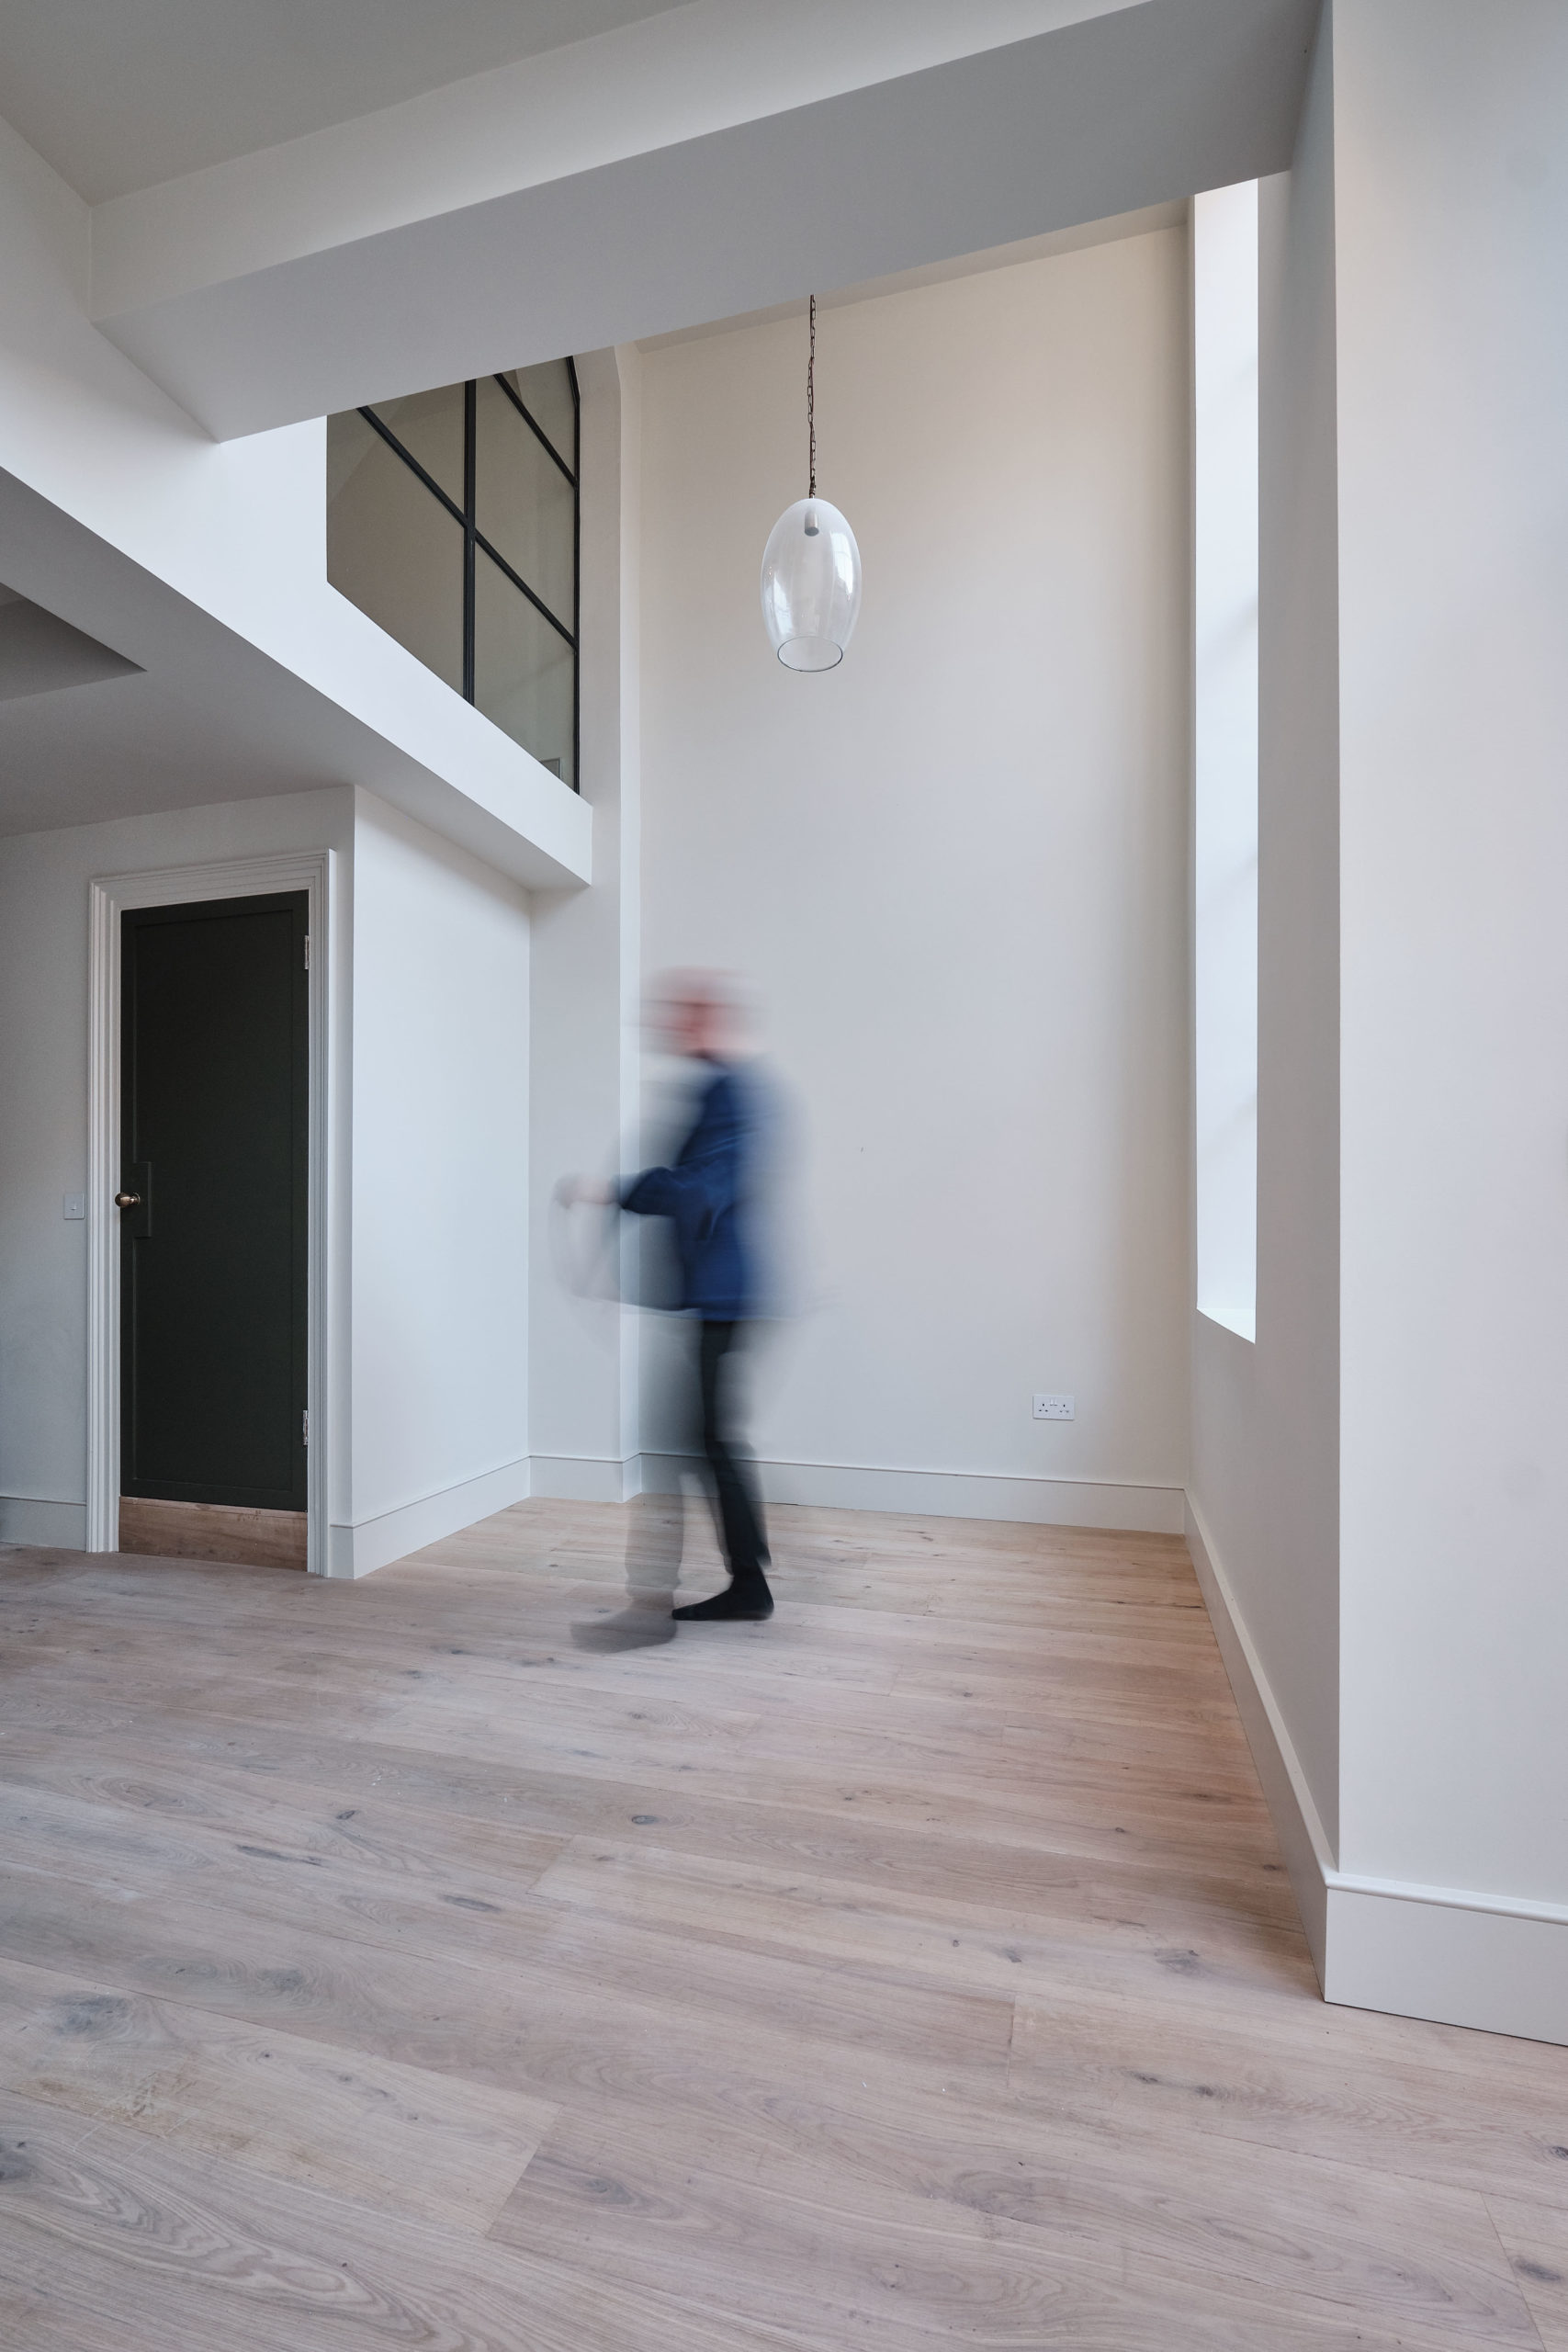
<point x="455" y="1962"/>
<point x="261" y="1539"/>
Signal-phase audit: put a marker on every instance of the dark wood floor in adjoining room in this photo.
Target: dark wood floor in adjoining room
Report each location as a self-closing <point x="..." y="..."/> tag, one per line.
<point x="429" y="1963"/>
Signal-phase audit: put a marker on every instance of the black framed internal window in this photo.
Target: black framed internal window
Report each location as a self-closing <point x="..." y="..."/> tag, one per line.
<point x="453" y="522"/>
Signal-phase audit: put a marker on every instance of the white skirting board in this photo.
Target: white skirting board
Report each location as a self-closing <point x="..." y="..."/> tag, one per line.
<point x="1447" y="1954"/>
<point x="57" y="1527"/>
<point x="587" y="1478"/>
<point x="355" y="1551"/>
<point x="1436" y="1952"/>
<point x="956" y="1493"/>
<point x="1300" y="1834"/>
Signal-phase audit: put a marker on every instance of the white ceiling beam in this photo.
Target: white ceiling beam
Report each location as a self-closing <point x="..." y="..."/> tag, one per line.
<point x="714" y="160"/>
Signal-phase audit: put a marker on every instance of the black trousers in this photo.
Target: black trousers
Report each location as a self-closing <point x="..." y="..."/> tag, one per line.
<point x="735" y="1487"/>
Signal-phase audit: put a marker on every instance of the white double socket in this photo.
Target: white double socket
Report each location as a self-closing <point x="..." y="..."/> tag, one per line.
<point x="1052" y="1407"/>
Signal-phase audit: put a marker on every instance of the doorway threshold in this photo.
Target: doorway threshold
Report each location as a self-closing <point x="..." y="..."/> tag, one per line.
<point x="169" y="1531"/>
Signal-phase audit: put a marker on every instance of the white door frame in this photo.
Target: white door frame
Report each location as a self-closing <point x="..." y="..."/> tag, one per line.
<point x="236" y="877"/>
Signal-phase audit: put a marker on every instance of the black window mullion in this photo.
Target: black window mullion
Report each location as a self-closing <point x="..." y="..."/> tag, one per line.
<point x="576" y="576"/>
<point x="392" y="442"/>
<point x="536" y="429"/>
<point x="470" y="498"/>
<point x="519" y="582"/>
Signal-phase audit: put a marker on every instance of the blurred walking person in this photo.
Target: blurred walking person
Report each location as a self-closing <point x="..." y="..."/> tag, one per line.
<point x="714" y="1195"/>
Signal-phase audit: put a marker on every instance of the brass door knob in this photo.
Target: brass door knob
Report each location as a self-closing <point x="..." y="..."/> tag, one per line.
<point x="128" y="1200"/>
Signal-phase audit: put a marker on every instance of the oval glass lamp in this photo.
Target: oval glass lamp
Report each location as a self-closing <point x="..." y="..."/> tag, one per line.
<point x="811" y="586"/>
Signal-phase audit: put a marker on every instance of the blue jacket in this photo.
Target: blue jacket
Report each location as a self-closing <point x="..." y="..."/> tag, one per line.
<point x="708" y="1196"/>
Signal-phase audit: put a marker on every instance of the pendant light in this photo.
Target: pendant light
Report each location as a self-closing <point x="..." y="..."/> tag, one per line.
<point x="811" y="566"/>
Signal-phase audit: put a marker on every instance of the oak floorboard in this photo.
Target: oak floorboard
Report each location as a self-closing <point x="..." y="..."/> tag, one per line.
<point x="440" y="1845"/>
<point x="899" y="1778"/>
<point x="397" y="2139"/>
<point x="1005" y="1950"/>
<point x="1487" y="2113"/>
<point x="861" y="2233"/>
<point x="1535" y="2239"/>
<point x="919" y="1966"/>
<point x="106" y="2246"/>
<point x="915" y="1733"/>
<point x="428" y="1817"/>
<point x="515" y="1997"/>
<point x="131" y="2246"/>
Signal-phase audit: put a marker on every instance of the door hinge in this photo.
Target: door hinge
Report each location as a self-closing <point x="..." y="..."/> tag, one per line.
<point x="305" y="1428"/>
<point x="307" y="951"/>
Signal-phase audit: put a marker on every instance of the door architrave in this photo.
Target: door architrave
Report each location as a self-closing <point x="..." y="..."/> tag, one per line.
<point x="109" y="895"/>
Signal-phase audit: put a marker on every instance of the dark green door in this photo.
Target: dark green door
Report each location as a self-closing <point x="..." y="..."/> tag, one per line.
<point x="214" y="1094"/>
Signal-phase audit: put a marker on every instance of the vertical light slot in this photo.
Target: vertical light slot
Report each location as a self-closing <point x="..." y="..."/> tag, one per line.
<point x="1225" y="348"/>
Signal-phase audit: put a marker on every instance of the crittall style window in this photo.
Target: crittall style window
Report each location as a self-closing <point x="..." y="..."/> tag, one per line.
<point x="452" y="521"/>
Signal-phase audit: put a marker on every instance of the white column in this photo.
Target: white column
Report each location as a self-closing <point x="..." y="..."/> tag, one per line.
<point x="586" y="995"/>
<point x="1451" y="194"/>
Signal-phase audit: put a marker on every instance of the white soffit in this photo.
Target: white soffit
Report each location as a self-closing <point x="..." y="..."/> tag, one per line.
<point x="707" y="162"/>
<point x="41" y="654"/>
<point x="214" y="717"/>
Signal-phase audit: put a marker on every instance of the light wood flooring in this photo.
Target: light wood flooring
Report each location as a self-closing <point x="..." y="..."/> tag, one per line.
<point x="439" y="1963"/>
<point x="260" y="1539"/>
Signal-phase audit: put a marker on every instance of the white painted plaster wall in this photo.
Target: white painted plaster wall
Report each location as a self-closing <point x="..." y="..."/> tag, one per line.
<point x="1265" y="1467"/>
<point x="1452" y="198"/>
<point x="439" y="1183"/>
<point x="955" y="867"/>
<point x="44" y="883"/>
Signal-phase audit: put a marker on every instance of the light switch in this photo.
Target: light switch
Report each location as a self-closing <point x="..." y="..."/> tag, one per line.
<point x="74" y="1205"/>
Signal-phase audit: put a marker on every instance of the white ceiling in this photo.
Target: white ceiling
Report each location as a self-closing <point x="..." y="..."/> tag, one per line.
<point x="122" y="94"/>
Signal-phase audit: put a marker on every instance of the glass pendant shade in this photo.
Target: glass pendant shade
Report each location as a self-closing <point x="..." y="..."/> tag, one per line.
<point x="811" y="586"/>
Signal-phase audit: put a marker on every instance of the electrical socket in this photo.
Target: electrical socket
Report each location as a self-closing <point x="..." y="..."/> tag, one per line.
<point x="1049" y="1406"/>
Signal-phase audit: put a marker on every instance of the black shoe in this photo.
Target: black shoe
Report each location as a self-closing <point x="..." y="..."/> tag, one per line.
<point x="752" y="1602"/>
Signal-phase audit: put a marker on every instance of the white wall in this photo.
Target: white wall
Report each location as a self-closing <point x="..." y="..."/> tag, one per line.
<point x="440" y="1192"/>
<point x="1453" y="437"/>
<point x="43" y="1133"/>
<point x="955" y="867"/>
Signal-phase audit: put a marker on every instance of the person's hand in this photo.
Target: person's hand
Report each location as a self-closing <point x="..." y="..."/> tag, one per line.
<point x="591" y="1190"/>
